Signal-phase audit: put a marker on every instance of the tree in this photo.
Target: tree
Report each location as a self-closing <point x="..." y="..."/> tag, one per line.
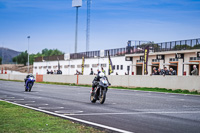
<point x="14" y="59"/>
<point x="51" y="52"/>
<point x="0" y="60"/>
<point x="180" y="47"/>
<point x="22" y="58"/>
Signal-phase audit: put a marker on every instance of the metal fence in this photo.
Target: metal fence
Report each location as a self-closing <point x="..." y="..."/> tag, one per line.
<point x="137" y="48"/>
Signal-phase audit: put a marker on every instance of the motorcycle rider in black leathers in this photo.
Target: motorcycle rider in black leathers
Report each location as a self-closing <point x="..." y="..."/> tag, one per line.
<point x="97" y="79"/>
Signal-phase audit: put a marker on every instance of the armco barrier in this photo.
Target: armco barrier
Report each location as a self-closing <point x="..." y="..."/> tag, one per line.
<point x="169" y="82"/>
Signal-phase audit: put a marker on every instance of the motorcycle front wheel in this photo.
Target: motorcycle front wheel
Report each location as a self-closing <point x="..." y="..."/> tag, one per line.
<point x="26" y="89"/>
<point x="30" y="86"/>
<point x="102" y="96"/>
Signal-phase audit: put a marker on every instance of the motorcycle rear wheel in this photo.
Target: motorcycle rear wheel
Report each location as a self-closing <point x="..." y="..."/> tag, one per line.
<point x="92" y="95"/>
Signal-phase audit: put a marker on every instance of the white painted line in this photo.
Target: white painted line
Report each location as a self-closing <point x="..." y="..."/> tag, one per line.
<point x="136" y="113"/>
<point x="36" y="104"/>
<point x="50" y="107"/>
<point x="25" y="101"/>
<point x="68" y="111"/>
<point x="32" y="97"/>
<point x="182" y="99"/>
<point x="15" y="99"/>
<point x="72" y="118"/>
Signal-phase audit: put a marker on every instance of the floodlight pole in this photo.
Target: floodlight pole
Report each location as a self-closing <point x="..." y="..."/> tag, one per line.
<point x="28" y="53"/>
<point x="76" y="30"/>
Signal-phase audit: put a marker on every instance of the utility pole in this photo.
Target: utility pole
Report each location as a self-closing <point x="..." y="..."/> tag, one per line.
<point x="28" y="52"/>
<point x="88" y="25"/>
<point x="76" y="30"/>
<point x="77" y="4"/>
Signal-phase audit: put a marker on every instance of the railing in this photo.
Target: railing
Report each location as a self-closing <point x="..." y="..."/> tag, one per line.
<point x="194" y="58"/>
<point x="139" y="61"/>
<point x="138" y="48"/>
<point x="155" y="60"/>
<point x="173" y="59"/>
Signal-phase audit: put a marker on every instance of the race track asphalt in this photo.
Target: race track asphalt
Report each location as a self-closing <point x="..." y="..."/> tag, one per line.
<point x="133" y="111"/>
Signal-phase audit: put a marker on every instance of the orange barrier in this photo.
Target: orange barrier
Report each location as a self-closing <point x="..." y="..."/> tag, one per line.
<point x="39" y="78"/>
<point x="77" y="80"/>
<point x="5" y="71"/>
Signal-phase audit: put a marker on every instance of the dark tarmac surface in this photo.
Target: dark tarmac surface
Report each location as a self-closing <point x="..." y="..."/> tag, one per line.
<point x="133" y="111"/>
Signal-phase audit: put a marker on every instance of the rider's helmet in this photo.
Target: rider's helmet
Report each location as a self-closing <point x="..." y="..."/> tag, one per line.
<point x="101" y="74"/>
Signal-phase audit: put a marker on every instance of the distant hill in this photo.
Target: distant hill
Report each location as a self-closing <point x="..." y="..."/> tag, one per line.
<point x="8" y="54"/>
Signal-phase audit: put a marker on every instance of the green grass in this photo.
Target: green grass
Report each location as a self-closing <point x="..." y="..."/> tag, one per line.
<point x="16" y="119"/>
<point x="129" y="88"/>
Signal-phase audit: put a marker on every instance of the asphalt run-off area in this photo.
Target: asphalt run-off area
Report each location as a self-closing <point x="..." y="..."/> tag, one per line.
<point x="123" y="110"/>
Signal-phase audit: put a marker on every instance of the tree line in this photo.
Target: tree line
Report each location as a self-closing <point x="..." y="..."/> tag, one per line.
<point x="23" y="57"/>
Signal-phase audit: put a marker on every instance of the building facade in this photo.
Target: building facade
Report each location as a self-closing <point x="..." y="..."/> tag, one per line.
<point x="179" y="55"/>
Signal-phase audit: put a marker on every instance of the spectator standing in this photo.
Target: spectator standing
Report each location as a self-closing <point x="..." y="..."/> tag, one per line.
<point x="195" y="71"/>
<point x="116" y="73"/>
<point x="155" y="72"/>
<point x="55" y="72"/>
<point x="172" y="72"/>
<point x="166" y="71"/>
<point x="103" y="70"/>
<point x="77" y="72"/>
<point x="59" y="71"/>
<point x="47" y="71"/>
<point x="51" y="71"/>
<point x="91" y="73"/>
<point x="160" y="72"/>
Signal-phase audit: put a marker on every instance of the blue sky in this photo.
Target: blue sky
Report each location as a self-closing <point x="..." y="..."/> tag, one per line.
<point x="51" y="23"/>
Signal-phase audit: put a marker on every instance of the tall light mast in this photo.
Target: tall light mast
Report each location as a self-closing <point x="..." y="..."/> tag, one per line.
<point x="77" y="4"/>
<point x="88" y="25"/>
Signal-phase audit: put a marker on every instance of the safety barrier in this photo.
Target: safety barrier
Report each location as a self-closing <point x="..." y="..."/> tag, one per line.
<point x="169" y="82"/>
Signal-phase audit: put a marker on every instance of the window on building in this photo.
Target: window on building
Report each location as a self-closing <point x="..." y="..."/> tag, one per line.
<point x="113" y="67"/>
<point x="94" y="65"/>
<point x="66" y="66"/>
<point x="117" y="67"/>
<point x="86" y="65"/>
<point x="121" y="67"/>
<point x="103" y="65"/>
<point x="79" y="66"/>
<point x="72" y="66"/>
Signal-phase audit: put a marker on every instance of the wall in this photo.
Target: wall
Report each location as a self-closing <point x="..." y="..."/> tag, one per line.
<point x="120" y="60"/>
<point x="13" y="76"/>
<point x="169" y="82"/>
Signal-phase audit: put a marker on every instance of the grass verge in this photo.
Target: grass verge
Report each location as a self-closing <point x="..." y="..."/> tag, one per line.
<point x="16" y="119"/>
<point x="195" y="92"/>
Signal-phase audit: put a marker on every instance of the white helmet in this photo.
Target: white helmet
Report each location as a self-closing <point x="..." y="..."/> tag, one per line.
<point x="101" y="74"/>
